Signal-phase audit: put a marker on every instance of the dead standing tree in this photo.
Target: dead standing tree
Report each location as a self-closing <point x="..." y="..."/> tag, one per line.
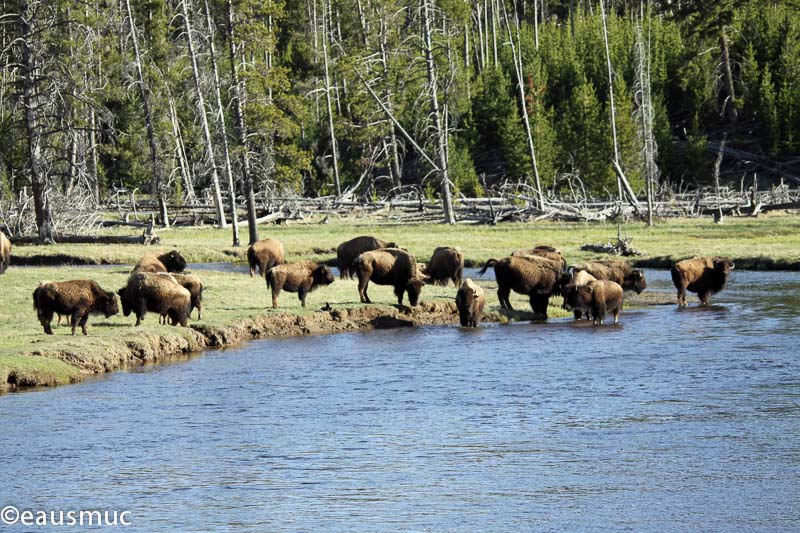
<point x="144" y="94"/>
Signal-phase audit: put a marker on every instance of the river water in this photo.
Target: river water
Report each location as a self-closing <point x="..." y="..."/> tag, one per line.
<point x="673" y="420"/>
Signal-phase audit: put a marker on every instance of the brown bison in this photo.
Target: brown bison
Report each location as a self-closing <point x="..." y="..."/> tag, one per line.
<point x="446" y="264"/>
<point x="389" y="266"/>
<point x="347" y="252"/>
<point x="576" y="279"/>
<point x="618" y="271"/>
<point x="301" y="277"/>
<point x="703" y="275"/>
<point x="77" y="299"/>
<point x="160" y="294"/>
<point x="548" y="252"/>
<point x="600" y="297"/>
<point x="169" y="262"/>
<point x="538" y="278"/>
<point x="5" y="253"/>
<point x="469" y="302"/>
<point x="192" y="284"/>
<point x="263" y="255"/>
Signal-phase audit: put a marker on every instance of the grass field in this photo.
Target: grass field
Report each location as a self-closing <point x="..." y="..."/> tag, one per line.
<point x="27" y="356"/>
<point x="743" y="239"/>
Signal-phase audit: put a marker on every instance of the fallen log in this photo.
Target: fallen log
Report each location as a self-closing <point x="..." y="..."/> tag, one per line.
<point x="91" y="239"/>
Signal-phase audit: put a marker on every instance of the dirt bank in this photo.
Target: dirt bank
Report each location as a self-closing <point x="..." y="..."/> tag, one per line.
<point x="147" y="347"/>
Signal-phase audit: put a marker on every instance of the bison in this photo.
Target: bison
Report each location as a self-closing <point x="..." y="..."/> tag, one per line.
<point x="618" y="271"/>
<point x="548" y="252"/>
<point x="192" y="284"/>
<point x="600" y="297"/>
<point x="446" y="264"/>
<point x="160" y="294"/>
<point x="576" y="279"/>
<point x="538" y="278"/>
<point x="469" y="302"/>
<point x="347" y="252"/>
<point x="77" y="299"/>
<point x="169" y="262"/>
<point x="301" y="277"/>
<point x="703" y="275"/>
<point x="263" y="255"/>
<point x="389" y="266"/>
<point x="5" y="253"/>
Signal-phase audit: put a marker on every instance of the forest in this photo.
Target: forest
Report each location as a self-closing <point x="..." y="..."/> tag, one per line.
<point x="228" y="103"/>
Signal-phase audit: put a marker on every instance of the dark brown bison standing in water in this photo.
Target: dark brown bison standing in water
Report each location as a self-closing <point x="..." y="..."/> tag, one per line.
<point x="77" y="299"/>
<point x="263" y="255"/>
<point x="389" y="266"/>
<point x="538" y="278"/>
<point x="542" y="250"/>
<point x="446" y="264"/>
<point x="617" y="270"/>
<point x="703" y="275"/>
<point x="5" y="253"/>
<point x="469" y="302"/>
<point x="301" y="277"/>
<point x="600" y="297"/>
<point x="147" y="291"/>
<point x="348" y="251"/>
<point x="169" y="262"/>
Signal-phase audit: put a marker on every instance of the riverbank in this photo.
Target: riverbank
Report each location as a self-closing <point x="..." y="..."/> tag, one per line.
<point x="235" y="309"/>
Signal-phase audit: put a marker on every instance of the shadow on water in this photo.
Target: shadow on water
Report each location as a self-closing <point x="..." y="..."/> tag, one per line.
<point x="673" y="419"/>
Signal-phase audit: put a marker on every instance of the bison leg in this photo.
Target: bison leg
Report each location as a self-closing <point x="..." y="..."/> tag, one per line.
<point x="704" y="297"/>
<point x="276" y="291"/>
<point x="362" y="290"/>
<point x="45" y="317"/>
<point x="301" y="294"/>
<point x="199" y="310"/>
<point x="577" y="313"/>
<point x="616" y="314"/>
<point x="398" y="291"/>
<point x="83" y="321"/>
<point x="502" y="294"/>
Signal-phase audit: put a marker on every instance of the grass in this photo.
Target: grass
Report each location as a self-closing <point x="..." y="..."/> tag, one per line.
<point x="765" y="242"/>
<point x="27" y="356"/>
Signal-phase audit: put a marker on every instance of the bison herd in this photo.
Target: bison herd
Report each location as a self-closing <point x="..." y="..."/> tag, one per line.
<point x="591" y="290"/>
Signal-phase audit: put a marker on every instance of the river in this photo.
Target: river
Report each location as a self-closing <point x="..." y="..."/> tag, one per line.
<point x="675" y="419"/>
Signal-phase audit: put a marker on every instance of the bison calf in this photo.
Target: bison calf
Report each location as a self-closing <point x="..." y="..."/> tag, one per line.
<point x="703" y="275"/>
<point x="470" y="301"/>
<point x="160" y="294"/>
<point x="389" y="266"/>
<point x="619" y="271"/>
<point x="169" y="262"/>
<point x="192" y="284"/>
<point x="446" y="264"/>
<point x="263" y="255"/>
<point x="600" y="297"/>
<point x="570" y="292"/>
<point x="301" y="277"/>
<point x="78" y="299"/>
<point x="348" y="251"/>
<point x="5" y="253"/>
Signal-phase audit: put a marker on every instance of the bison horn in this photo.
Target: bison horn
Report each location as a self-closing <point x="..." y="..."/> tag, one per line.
<point x="733" y="265"/>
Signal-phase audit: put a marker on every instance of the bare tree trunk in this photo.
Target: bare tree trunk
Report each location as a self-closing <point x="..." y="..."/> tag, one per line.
<point x="447" y="199"/>
<point x="240" y="131"/>
<point x="516" y="51"/>
<point x="223" y="130"/>
<point x="397" y="173"/>
<point x="201" y="108"/>
<point x="623" y="186"/>
<point x="144" y="92"/>
<point x="730" y="104"/>
<point x="180" y="152"/>
<point x="93" y="175"/>
<point x="334" y="148"/>
<point x="30" y="102"/>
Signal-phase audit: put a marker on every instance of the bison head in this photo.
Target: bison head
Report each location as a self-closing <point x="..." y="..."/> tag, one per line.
<point x="414" y="289"/>
<point x="723" y="265"/>
<point x="108" y="304"/>
<point x="583" y="295"/>
<point x="322" y="275"/>
<point x="635" y="281"/>
<point x="126" y="306"/>
<point x="174" y="261"/>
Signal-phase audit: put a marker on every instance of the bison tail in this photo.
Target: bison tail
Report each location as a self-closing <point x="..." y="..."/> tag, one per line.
<point x="490" y="262"/>
<point x="36" y="292"/>
<point x="268" y="277"/>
